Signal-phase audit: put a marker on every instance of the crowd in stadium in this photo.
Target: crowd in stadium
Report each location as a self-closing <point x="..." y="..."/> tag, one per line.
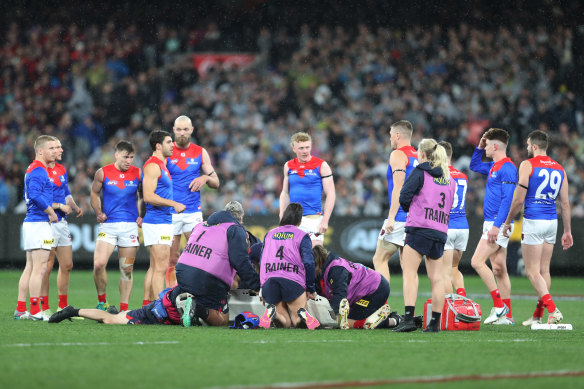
<point x="91" y="86"/>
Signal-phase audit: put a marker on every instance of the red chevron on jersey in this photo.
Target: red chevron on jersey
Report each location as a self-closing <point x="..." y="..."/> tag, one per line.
<point x="57" y="174"/>
<point x="456" y="173"/>
<point x="543" y="161"/>
<point x="182" y="158"/>
<point x="119" y="178"/>
<point x="299" y="168"/>
<point x="34" y="165"/>
<point x="498" y="165"/>
<point x="410" y="152"/>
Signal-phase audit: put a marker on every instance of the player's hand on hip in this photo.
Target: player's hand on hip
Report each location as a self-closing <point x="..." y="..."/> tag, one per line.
<point x="388" y="226"/>
<point x="101" y="218"/>
<point x="492" y="235"/>
<point x="507" y="230"/>
<point x="179" y="208"/>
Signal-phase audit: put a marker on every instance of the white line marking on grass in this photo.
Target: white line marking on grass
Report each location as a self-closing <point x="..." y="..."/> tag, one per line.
<point x="299" y="341"/>
<point x="413" y="380"/>
<point x="83" y="344"/>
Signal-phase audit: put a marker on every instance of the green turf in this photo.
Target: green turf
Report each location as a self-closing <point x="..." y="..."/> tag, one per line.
<point x="84" y="354"/>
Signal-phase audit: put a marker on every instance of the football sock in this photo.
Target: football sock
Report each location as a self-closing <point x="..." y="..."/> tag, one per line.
<point x="21" y="306"/>
<point x="44" y="303"/>
<point x="359" y="323"/>
<point x="63" y="301"/>
<point x="34" y="305"/>
<point x="102" y="298"/>
<point x="508" y="304"/>
<point x="538" y="309"/>
<point x="409" y="310"/>
<point x="461" y="291"/>
<point x="549" y="303"/>
<point x="123" y="307"/>
<point x="497" y="301"/>
<point x="145" y="302"/>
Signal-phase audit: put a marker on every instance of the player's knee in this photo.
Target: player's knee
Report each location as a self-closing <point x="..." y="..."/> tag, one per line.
<point x="126" y="267"/>
<point x="99" y="265"/>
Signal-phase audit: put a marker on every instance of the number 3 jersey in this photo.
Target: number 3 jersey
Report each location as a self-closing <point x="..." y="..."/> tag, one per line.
<point x="458" y="212"/>
<point x="545" y="182"/>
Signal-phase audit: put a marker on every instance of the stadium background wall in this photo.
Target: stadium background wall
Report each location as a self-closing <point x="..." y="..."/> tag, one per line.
<point x="351" y="237"/>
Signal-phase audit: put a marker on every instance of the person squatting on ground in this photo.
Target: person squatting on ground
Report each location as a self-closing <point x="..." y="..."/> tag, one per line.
<point x="167" y="309"/>
<point x="185" y="165"/>
<point x="306" y="178"/>
<point x="501" y="180"/>
<point x="216" y="250"/>
<point x="119" y="217"/>
<point x="157" y="223"/>
<point x="36" y="229"/>
<point x="402" y="160"/>
<point x="541" y="181"/>
<point x="427" y="196"/>
<point x="358" y="295"/>
<point x="287" y="273"/>
<point x="457" y="229"/>
<point x="62" y="244"/>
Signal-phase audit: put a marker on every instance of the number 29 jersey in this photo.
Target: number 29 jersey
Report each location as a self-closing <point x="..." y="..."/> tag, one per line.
<point x="545" y="182"/>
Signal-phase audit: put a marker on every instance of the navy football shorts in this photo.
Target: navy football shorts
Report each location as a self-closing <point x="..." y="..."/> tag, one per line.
<point x="278" y="289"/>
<point x="367" y="305"/>
<point x="432" y="249"/>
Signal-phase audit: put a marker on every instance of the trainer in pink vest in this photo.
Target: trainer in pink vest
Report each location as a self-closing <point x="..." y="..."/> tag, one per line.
<point x="431" y="207"/>
<point x="281" y="255"/>
<point x="207" y="249"/>
<point x="364" y="281"/>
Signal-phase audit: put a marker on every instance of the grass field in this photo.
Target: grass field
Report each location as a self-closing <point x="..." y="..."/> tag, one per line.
<point x="84" y="354"/>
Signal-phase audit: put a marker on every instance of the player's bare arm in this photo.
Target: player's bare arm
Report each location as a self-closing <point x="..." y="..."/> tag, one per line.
<point x="140" y="204"/>
<point x="152" y="173"/>
<point x="209" y="177"/>
<point x="525" y="170"/>
<point x="398" y="161"/>
<point x="285" y="195"/>
<point x="567" y="240"/>
<point x="71" y="203"/>
<point x="328" y="188"/>
<point x="95" y="199"/>
<point x="63" y="207"/>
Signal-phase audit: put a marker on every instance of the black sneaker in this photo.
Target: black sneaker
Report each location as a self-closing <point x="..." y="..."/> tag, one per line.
<point x="419" y="321"/>
<point x="431" y="329"/>
<point x="405" y="326"/>
<point x="66" y="313"/>
<point x="113" y="310"/>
